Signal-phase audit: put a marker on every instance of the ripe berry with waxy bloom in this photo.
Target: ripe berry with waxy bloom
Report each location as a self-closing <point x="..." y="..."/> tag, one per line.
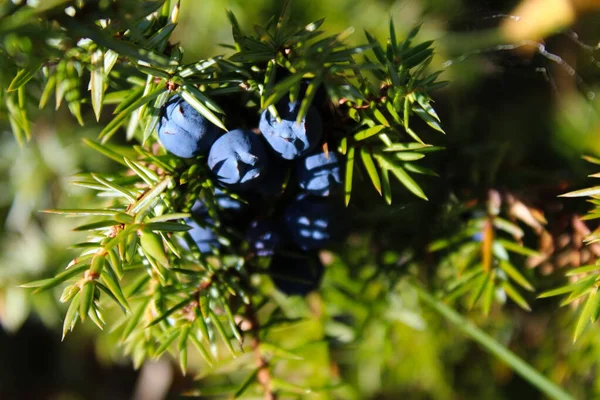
<point x="204" y="236"/>
<point x="183" y="131"/>
<point x="238" y="159"/>
<point x="320" y="173"/>
<point x="288" y="138"/>
<point x="263" y="237"/>
<point x="313" y="222"/>
<point x="296" y="274"/>
<point x="224" y="202"/>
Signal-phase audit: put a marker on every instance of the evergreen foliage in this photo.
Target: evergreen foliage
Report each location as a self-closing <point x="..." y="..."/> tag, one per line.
<point x="201" y="241"/>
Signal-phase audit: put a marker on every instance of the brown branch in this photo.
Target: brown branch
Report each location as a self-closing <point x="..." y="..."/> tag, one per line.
<point x="263" y="375"/>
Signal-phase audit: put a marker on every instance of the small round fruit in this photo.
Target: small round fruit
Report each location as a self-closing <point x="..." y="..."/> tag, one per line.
<point x="238" y="159"/>
<point x="224" y="202"/>
<point x="204" y="236"/>
<point x="320" y="173"/>
<point x="183" y="131"/>
<point x="263" y="237"/>
<point x="296" y="274"/>
<point x="312" y="222"/>
<point x="289" y="139"/>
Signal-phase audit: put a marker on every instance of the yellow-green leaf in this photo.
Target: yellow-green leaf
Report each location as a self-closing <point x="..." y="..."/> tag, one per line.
<point x="367" y="160"/>
<point x="349" y="175"/>
<point x="588" y="310"/>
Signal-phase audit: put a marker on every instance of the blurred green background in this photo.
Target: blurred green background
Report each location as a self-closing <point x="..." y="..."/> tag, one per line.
<point x="515" y="120"/>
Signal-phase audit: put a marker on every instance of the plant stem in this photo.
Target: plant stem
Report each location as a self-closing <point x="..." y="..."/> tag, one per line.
<point x="264" y="374"/>
<point x="493" y="346"/>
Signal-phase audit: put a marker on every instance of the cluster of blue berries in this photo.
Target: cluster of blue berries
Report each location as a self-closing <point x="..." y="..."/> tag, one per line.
<point x="255" y="164"/>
